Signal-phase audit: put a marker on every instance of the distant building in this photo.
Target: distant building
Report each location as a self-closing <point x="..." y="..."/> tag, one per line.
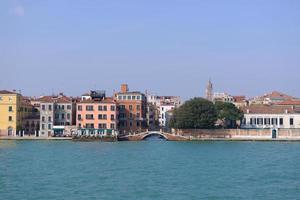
<point x="162" y="104"/>
<point x="14" y="110"/>
<point x="223" y="97"/>
<point x="209" y="91"/>
<point x="164" y="108"/>
<point x="97" y="114"/>
<point x="56" y="112"/>
<point x="132" y="107"/>
<point x="271" y="117"/>
<point x="271" y="98"/>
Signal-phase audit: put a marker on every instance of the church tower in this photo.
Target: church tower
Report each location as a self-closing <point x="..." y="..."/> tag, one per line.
<point x="209" y="91"/>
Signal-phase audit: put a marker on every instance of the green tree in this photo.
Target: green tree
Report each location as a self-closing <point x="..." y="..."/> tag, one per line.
<point x="197" y="113"/>
<point x="228" y="114"/>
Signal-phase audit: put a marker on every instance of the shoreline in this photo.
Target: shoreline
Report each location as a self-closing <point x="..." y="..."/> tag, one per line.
<point x="188" y="140"/>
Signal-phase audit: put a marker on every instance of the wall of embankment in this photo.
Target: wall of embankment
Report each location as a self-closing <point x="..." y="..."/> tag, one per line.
<point x="239" y="133"/>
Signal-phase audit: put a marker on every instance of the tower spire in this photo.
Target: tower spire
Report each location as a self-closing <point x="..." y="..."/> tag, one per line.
<point x="209" y="91"/>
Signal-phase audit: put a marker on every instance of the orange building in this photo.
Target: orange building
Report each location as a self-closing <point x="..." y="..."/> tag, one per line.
<point x="97" y="114"/>
<point x="132" y="108"/>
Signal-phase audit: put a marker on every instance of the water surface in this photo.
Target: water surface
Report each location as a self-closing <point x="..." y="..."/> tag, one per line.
<point x="149" y="170"/>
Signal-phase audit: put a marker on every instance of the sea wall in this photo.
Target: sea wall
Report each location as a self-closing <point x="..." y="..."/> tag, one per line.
<point x="238" y="133"/>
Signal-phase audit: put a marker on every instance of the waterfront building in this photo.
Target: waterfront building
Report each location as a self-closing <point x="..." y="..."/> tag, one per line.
<point x="262" y="116"/>
<point x="97" y="114"/>
<point x="56" y="112"/>
<point x="14" y="110"/>
<point x="132" y="106"/>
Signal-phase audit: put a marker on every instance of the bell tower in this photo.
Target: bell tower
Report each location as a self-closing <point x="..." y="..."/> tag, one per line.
<point x="209" y="91"/>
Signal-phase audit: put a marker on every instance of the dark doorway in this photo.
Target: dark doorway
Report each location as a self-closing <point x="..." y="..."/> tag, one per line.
<point x="274" y="134"/>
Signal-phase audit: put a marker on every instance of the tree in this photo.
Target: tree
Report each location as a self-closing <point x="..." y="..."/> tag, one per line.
<point x="197" y="113"/>
<point x="228" y="114"/>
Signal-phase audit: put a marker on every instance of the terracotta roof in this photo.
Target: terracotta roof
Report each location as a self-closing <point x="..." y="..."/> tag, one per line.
<point x="268" y="109"/>
<point x="106" y="100"/>
<point x="278" y="95"/>
<point x="58" y="99"/>
<point x="239" y="98"/>
<point x="290" y="103"/>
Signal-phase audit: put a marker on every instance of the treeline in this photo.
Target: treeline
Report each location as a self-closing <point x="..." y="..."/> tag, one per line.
<point x="199" y="113"/>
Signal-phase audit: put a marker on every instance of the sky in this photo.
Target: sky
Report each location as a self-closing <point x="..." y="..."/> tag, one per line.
<point x="167" y="47"/>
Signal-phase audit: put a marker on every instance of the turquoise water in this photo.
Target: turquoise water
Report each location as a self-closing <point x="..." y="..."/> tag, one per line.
<point x="149" y="170"/>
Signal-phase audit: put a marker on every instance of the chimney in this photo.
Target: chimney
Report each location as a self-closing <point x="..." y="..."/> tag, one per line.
<point x="124" y="88"/>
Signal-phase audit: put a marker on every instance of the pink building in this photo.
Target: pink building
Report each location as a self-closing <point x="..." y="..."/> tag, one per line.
<point x="97" y="114"/>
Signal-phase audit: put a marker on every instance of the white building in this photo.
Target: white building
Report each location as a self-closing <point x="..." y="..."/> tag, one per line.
<point x="163" y="109"/>
<point x="271" y="117"/>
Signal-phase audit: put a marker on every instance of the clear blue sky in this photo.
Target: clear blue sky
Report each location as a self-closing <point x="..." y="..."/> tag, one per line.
<point x="170" y="47"/>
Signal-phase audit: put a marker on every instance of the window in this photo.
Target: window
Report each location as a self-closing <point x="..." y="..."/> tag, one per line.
<point x="69" y="107"/>
<point x="133" y="97"/>
<point x="100" y="116"/>
<point x="137" y="124"/>
<point x="138" y="107"/>
<point x="10" y="109"/>
<point x="43" y="107"/>
<point x="89" y="116"/>
<point x="291" y="121"/>
<point x="112" y="126"/>
<point x="43" y="118"/>
<point x="100" y="108"/>
<point x="49" y="126"/>
<point x="104" y="116"/>
<point x="56" y="116"/>
<point x="49" y="107"/>
<point x="130" y="107"/>
<point x="89" y="125"/>
<point x="112" y="117"/>
<point x="274" y="121"/>
<point x="79" y="108"/>
<point x="63" y="107"/>
<point x="68" y="116"/>
<point x="130" y="124"/>
<point x="49" y="119"/>
<point x="138" y="97"/>
<point x="130" y="116"/>
<point x="89" y="108"/>
<point x="122" y="107"/>
<point x="281" y="121"/>
<point x="79" y="117"/>
<point x="267" y="121"/>
<point x="112" y="108"/>
<point x="138" y="115"/>
<point x="79" y="125"/>
<point x="124" y="97"/>
<point x="119" y="97"/>
<point x="10" y="118"/>
<point x="43" y="126"/>
<point x="251" y="121"/>
<point x="105" y="108"/>
<point x="129" y="97"/>
<point x="63" y="116"/>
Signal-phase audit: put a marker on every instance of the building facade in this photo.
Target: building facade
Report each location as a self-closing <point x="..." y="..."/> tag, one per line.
<point x="132" y="108"/>
<point x="97" y="114"/>
<point x="163" y="110"/>
<point x="56" y="112"/>
<point x="13" y="112"/>
<point x="271" y="117"/>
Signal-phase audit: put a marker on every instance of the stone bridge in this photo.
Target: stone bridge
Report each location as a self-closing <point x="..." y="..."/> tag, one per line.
<point x="144" y="135"/>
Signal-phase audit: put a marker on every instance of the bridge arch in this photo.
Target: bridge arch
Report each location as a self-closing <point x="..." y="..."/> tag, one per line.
<point x="154" y="133"/>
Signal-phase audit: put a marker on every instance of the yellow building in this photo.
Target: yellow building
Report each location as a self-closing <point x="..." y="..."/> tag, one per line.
<point x="13" y="111"/>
